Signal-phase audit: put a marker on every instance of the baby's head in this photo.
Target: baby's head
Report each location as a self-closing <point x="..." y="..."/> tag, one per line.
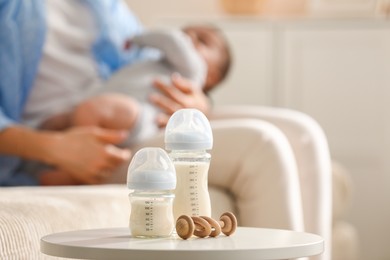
<point x="213" y="47"/>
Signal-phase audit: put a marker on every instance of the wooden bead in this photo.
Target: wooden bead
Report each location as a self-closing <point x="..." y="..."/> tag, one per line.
<point x="185" y="226"/>
<point x="215" y="226"/>
<point x="202" y="227"/>
<point x="228" y="223"/>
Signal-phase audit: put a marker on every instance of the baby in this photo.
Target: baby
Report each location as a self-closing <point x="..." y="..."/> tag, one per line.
<point x="198" y="53"/>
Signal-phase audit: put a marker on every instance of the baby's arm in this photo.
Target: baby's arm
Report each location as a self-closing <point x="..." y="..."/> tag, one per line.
<point x="178" y="50"/>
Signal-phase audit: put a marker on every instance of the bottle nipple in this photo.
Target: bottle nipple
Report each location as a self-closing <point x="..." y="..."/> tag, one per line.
<point x="151" y="169"/>
<point x="188" y="129"/>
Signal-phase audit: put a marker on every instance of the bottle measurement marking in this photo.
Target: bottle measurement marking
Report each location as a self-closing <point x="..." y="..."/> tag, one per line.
<point x="149" y="215"/>
<point x="193" y="189"/>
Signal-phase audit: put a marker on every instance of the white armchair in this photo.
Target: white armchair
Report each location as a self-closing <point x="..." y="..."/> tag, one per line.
<point x="312" y="164"/>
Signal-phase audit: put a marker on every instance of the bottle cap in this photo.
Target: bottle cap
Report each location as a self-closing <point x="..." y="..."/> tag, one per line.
<point x="151" y="169"/>
<point x="188" y="129"/>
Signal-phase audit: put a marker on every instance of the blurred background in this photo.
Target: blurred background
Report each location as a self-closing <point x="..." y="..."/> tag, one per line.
<point x="327" y="58"/>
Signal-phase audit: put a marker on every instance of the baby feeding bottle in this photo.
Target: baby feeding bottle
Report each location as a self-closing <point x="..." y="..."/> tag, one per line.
<point x="188" y="136"/>
<point x="151" y="177"/>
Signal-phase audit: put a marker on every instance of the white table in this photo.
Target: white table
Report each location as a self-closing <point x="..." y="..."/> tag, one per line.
<point x="246" y="243"/>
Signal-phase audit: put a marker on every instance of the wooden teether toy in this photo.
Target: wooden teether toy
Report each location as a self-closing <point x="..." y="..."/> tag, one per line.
<point x="203" y="226"/>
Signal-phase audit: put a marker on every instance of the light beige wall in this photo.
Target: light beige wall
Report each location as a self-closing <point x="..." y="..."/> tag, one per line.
<point x="149" y="10"/>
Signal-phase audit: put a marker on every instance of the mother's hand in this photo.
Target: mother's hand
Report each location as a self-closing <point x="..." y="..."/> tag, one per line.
<point x="88" y="154"/>
<point x="182" y="93"/>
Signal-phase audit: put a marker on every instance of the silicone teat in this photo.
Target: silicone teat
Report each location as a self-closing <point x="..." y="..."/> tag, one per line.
<point x="188" y="129"/>
<point x="151" y="168"/>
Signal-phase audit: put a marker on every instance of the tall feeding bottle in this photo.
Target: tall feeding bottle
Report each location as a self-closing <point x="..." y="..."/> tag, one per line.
<point x="188" y="137"/>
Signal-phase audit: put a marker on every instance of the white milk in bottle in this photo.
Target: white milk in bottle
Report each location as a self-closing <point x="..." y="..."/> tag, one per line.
<point x="151" y="177"/>
<point x="188" y="136"/>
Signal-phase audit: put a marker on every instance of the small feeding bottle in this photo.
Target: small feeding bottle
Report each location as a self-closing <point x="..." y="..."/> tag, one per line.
<point x="188" y="136"/>
<point x="151" y="177"/>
